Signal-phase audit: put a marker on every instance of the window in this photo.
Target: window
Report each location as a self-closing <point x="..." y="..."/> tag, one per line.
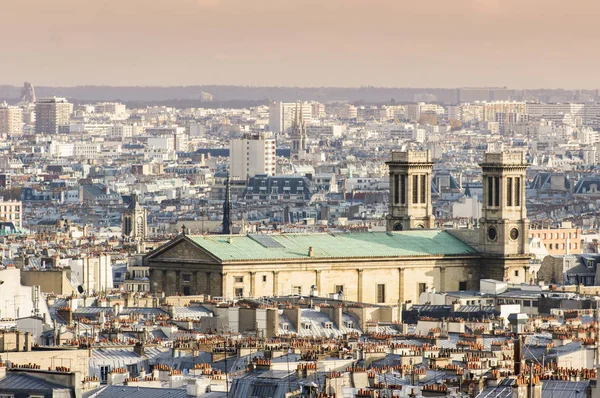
<point x="517" y="191"/>
<point x="415" y="196"/>
<point x="307" y="326"/>
<point x="264" y="278"/>
<point x="328" y="325"/>
<point x="238" y="279"/>
<point x="285" y="326"/>
<point x="132" y="369"/>
<point x="187" y="278"/>
<point x="517" y="273"/>
<point x="297" y="290"/>
<point x="104" y="373"/>
<point x="509" y="182"/>
<point x="490" y="191"/>
<point x="396" y="188"/>
<point x="496" y="191"/>
<point x="381" y="293"/>
<point x="403" y="189"/>
<point x="239" y="291"/>
<point x="7" y="396"/>
<point x="339" y="289"/>
<point x="423" y="188"/>
<point x="462" y="286"/>
<point x="422" y="288"/>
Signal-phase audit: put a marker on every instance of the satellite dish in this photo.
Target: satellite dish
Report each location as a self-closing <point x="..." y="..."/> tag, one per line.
<point x="80" y="289"/>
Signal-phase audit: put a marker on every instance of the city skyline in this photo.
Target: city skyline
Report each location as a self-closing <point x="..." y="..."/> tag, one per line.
<point x="310" y="44"/>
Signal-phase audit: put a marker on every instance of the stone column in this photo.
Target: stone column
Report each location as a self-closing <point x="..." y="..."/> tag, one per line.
<point x="225" y="292"/>
<point x="178" y="287"/>
<point x="442" y="279"/>
<point x="318" y="281"/>
<point x="401" y="286"/>
<point x="275" y="283"/>
<point x="252" y="284"/>
<point x="360" y="285"/>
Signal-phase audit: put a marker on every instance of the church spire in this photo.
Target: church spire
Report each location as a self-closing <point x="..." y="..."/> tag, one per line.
<point x="227" y="208"/>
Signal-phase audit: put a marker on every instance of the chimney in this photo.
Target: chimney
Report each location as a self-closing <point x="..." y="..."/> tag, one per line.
<point x="311" y="251"/>
<point x="138" y="348"/>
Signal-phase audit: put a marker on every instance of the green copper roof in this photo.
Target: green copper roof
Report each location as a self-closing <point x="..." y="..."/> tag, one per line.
<point x="365" y="244"/>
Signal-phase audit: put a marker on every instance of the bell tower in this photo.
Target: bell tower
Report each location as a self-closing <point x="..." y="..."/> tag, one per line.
<point x="298" y="135"/>
<point x="504" y="227"/>
<point x="410" y="191"/>
<point x="134" y="220"/>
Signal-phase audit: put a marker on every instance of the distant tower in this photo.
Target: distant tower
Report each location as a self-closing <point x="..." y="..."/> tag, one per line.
<point x="134" y="222"/>
<point x="298" y="135"/>
<point x="28" y="93"/>
<point x="227" y="208"/>
<point x="410" y="191"/>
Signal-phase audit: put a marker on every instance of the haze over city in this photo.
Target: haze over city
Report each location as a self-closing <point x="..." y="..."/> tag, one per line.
<point x="436" y="43"/>
<point x="299" y="199"/>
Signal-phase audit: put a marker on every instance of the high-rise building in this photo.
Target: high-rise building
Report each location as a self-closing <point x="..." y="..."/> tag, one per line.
<point x="281" y="114"/>
<point x="11" y="120"/>
<point x="51" y="114"/>
<point x="251" y="155"/>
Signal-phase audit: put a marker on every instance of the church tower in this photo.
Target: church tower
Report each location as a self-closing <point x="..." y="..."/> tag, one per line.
<point x="298" y="135"/>
<point x="504" y="227"/>
<point x="134" y="220"/>
<point x="410" y="191"/>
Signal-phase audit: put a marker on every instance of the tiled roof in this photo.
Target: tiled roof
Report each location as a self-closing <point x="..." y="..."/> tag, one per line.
<point x="368" y="244"/>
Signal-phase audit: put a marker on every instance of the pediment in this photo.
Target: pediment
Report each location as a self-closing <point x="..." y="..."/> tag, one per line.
<point x="181" y="250"/>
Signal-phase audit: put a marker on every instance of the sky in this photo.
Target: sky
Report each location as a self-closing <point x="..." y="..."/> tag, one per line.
<point x="346" y="43"/>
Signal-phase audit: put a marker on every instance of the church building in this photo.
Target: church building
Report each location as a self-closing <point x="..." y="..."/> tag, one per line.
<point x="376" y="267"/>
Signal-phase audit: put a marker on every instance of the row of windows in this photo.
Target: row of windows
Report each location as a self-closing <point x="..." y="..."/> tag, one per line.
<point x="513" y="191"/>
<point x="554" y="235"/>
<point x="419" y="189"/>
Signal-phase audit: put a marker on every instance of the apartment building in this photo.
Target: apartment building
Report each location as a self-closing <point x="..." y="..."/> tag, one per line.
<point x="11" y="120"/>
<point x="11" y="211"/>
<point x="51" y="114"/>
<point x="251" y="155"/>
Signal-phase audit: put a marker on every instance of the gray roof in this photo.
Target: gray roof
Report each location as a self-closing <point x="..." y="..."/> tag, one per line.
<point x="18" y="381"/>
<point x="550" y="389"/>
<point x="135" y="392"/>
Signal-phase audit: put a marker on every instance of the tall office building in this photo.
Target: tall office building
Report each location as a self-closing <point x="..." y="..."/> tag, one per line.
<point x="51" y="113"/>
<point x="251" y="155"/>
<point x="282" y="114"/>
<point x="11" y="120"/>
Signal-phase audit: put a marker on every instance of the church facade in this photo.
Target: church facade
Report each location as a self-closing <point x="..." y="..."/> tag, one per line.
<point x="376" y="267"/>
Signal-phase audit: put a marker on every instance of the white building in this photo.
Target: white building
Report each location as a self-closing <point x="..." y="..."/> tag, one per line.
<point x="94" y="274"/>
<point x="11" y="211"/>
<point x="51" y="114"/>
<point x="18" y="301"/>
<point x="11" y="120"/>
<point x="111" y="108"/>
<point x="251" y="155"/>
<point x="120" y="132"/>
<point x="281" y="115"/>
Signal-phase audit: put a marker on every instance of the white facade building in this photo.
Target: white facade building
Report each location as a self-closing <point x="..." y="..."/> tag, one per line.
<point x="281" y="115"/>
<point x="251" y="155"/>
<point x="11" y="120"/>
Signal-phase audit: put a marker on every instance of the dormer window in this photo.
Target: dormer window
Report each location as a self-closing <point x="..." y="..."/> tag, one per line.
<point x="590" y="263"/>
<point x="285" y="326"/>
<point x="307" y="326"/>
<point x="350" y="324"/>
<point x="328" y="325"/>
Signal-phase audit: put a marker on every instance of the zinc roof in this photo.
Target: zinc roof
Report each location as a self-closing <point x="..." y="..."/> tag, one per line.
<point x="366" y="245"/>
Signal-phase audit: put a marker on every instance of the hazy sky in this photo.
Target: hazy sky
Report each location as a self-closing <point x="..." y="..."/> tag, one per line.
<point x="418" y="43"/>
